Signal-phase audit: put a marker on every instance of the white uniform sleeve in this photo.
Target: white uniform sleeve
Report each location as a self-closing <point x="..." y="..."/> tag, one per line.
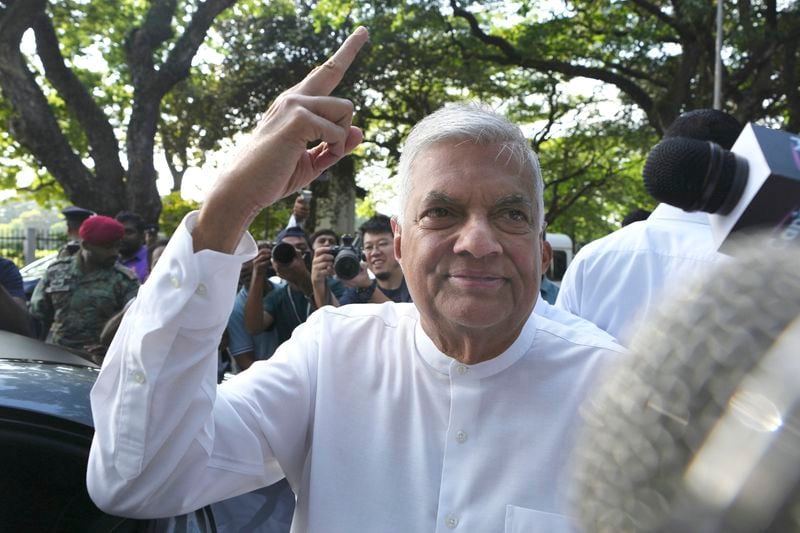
<point x="167" y="440"/>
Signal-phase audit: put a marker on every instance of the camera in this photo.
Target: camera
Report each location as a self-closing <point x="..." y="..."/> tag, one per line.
<point x="284" y="253"/>
<point x="346" y="258"/>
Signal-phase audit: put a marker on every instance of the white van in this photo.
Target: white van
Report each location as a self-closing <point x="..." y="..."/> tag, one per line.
<point x="562" y="256"/>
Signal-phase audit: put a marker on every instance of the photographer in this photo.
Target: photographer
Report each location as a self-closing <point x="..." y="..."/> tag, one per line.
<point x="243" y="347"/>
<point x="286" y="307"/>
<point x="389" y="283"/>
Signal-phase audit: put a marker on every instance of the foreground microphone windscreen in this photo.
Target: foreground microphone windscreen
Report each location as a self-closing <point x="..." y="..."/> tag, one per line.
<point x="694" y="175"/>
<point x="697" y="429"/>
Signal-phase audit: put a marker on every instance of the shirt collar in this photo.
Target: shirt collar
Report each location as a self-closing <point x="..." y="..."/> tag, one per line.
<point x="445" y="364"/>
<point x="668" y="212"/>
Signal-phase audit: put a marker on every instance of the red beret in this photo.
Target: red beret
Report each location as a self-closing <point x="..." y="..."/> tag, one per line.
<point x="101" y="231"/>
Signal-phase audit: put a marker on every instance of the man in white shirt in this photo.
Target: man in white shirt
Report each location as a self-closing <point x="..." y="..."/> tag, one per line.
<point x="615" y="281"/>
<point x="458" y="411"/>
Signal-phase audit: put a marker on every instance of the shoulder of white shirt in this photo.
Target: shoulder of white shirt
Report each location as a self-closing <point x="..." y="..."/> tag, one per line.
<point x="572" y="328"/>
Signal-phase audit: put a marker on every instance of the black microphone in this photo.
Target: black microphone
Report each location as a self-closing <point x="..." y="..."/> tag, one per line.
<point x="754" y="186"/>
<point x="698" y="429"/>
<point x="695" y="175"/>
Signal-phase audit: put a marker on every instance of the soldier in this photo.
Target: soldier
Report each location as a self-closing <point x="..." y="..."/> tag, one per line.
<point x="74" y="217"/>
<point x="77" y="295"/>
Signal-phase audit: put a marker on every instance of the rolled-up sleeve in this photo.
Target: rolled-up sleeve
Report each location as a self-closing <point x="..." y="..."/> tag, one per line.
<point x="166" y="440"/>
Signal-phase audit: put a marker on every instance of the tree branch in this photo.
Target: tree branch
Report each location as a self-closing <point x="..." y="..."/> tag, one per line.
<point x="104" y="149"/>
<point x="179" y="61"/>
<point x="654" y="10"/>
<point x="33" y="123"/>
<point x="512" y="57"/>
<point x="17" y="18"/>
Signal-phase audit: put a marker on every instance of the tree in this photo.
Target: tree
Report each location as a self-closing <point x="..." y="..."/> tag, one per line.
<point x="659" y="54"/>
<point x="409" y="69"/>
<point x="71" y="119"/>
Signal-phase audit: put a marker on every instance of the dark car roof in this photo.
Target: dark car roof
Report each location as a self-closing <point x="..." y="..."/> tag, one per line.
<point x="46" y="379"/>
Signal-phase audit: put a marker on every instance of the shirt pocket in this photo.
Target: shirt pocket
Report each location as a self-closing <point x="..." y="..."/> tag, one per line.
<point x="522" y="520"/>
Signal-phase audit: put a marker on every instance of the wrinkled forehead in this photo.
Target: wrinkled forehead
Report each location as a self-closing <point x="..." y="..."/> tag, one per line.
<point x="503" y="158"/>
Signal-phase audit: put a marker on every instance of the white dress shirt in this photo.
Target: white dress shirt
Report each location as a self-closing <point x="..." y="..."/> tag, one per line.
<point x="577" y="324"/>
<point x="375" y="428"/>
<point x="616" y="280"/>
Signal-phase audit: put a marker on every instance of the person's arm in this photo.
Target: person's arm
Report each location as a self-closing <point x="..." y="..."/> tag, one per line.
<point x="241" y="345"/>
<point x="256" y="319"/>
<point x="321" y="270"/>
<point x="148" y="460"/>
<point x="300" y="212"/>
<point x="167" y="439"/>
<point x="13" y="315"/>
<point x="276" y="160"/>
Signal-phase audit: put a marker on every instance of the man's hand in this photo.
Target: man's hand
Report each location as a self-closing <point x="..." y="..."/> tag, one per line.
<point x="322" y="265"/>
<point x="300" y="209"/>
<point x="362" y="279"/>
<point x="275" y="160"/>
<point x="321" y="270"/>
<point x="261" y="262"/>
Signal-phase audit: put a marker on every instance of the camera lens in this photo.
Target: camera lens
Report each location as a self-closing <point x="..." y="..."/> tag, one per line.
<point x="346" y="265"/>
<point x="283" y="253"/>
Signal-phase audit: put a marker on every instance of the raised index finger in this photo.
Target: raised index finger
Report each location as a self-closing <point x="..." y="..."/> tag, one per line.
<point x="323" y="79"/>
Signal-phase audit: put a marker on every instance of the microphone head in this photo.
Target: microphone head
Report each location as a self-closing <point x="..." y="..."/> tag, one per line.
<point x="690" y="174"/>
<point x="695" y="429"/>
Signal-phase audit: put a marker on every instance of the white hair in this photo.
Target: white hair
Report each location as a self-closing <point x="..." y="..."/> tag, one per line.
<point x="477" y="124"/>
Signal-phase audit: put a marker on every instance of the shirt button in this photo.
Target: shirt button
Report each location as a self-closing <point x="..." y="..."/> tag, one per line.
<point x="201" y="290"/>
<point x="451" y="522"/>
<point x="461" y="369"/>
<point x="461" y="436"/>
<point x="174" y="281"/>
<point x="138" y="377"/>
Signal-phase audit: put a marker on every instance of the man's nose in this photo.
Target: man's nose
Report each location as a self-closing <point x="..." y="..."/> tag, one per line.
<point x="478" y="238"/>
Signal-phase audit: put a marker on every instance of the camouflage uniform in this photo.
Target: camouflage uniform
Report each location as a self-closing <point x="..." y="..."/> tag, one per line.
<point x="75" y="305"/>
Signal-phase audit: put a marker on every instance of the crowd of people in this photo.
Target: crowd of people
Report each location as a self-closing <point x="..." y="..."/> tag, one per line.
<point x="452" y="406"/>
<point x="80" y="300"/>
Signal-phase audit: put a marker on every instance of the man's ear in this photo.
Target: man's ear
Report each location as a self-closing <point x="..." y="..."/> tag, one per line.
<point x="396" y="233"/>
<point x="547" y="254"/>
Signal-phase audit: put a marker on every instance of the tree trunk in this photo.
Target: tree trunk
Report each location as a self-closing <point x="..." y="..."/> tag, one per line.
<point x="33" y="122"/>
<point x="106" y="188"/>
<point x="335" y="209"/>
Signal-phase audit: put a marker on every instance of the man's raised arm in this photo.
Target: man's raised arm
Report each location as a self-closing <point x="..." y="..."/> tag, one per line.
<point x="275" y="161"/>
<point x="167" y="440"/>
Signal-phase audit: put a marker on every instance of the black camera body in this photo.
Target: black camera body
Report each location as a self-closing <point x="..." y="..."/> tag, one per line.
<point x="284" y="253"/>
<point x="346" y="258"/>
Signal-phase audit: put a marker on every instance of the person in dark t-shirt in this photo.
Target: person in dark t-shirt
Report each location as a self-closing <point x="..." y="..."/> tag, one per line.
<point x="388" y="283"/>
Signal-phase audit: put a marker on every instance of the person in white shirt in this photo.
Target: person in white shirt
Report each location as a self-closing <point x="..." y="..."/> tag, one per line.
<point x="457" y="411"/>
<point x="617" y="280"/>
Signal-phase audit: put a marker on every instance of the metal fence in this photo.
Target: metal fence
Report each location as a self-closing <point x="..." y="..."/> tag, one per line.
<point x="25" y="245"/>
